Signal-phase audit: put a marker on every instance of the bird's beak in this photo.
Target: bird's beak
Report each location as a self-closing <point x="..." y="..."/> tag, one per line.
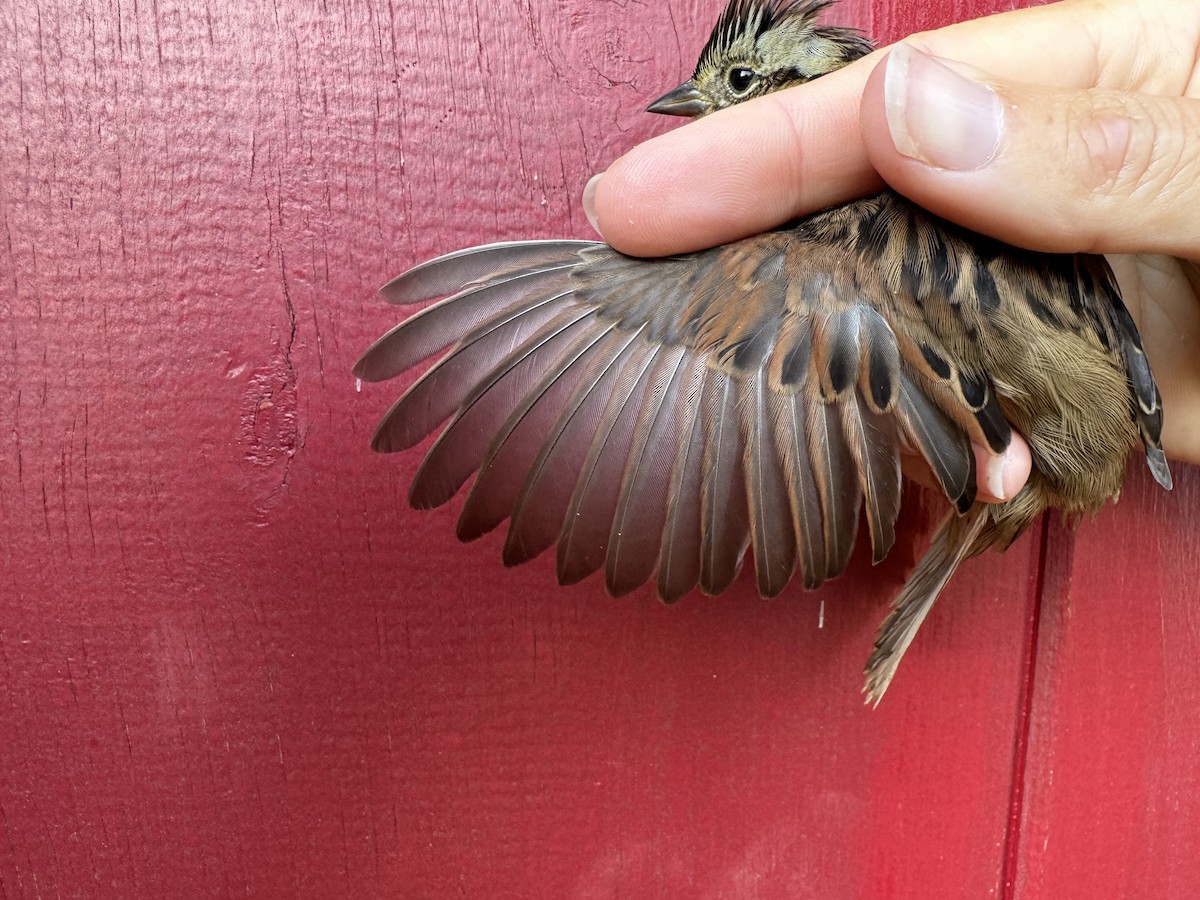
<point x="685" y="100"/>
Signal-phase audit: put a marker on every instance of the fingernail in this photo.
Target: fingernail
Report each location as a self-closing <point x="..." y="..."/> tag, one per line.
<point x="937" y="115"/>
<point x="995" y="477"/>
<point x="589" y="201"/>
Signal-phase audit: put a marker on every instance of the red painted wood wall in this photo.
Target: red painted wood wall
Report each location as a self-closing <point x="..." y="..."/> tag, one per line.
<point x="233" y="663"/>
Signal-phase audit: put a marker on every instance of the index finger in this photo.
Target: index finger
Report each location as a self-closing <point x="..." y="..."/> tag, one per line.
<point x="757" y="165"/>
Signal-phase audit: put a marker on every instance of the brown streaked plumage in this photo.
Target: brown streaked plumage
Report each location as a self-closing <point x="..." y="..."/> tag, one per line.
<point x="660" y="418"/>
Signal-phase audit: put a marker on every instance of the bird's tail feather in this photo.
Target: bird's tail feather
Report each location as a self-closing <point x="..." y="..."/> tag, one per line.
<point x="955" y="540"/>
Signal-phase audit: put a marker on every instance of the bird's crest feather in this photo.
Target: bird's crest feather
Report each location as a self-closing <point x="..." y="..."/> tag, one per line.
<point x="751" y="19"/>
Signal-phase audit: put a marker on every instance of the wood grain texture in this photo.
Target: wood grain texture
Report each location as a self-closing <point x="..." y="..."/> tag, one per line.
<point x="234" y="663"/>
<point x="1112" y="785"/>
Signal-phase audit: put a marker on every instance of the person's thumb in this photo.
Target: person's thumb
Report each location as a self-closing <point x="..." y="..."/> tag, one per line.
<point x="1055" y="170"/>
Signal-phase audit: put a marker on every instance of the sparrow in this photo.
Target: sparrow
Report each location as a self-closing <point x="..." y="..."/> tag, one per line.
<point x="660" y="418"/>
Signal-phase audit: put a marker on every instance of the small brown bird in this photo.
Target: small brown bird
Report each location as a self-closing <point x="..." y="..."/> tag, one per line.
<point x="665" y="415"/>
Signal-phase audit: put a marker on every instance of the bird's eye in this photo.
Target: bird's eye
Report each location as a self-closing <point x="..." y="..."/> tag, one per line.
<point x="741" y="79"/>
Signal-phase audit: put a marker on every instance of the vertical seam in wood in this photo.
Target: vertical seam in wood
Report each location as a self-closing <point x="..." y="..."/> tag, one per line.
<point x="1012" y="832"/>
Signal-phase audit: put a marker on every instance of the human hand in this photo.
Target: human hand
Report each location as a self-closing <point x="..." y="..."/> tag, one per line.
<point x="1085" y="138"/>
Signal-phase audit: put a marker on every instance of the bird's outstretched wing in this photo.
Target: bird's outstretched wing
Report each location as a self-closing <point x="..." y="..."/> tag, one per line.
<point x="665" y="415"/>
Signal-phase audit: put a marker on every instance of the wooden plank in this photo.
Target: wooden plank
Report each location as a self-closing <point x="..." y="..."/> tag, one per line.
<point x="1112" y="785"/>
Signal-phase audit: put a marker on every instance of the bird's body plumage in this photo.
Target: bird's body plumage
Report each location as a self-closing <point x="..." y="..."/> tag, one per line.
<point x="660" y="418"/>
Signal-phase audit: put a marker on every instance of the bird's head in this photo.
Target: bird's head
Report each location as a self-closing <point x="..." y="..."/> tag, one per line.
<point x="759" y="46"/>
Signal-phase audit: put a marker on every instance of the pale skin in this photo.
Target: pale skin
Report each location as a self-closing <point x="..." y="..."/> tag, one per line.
<point x="1075" y="128"/>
